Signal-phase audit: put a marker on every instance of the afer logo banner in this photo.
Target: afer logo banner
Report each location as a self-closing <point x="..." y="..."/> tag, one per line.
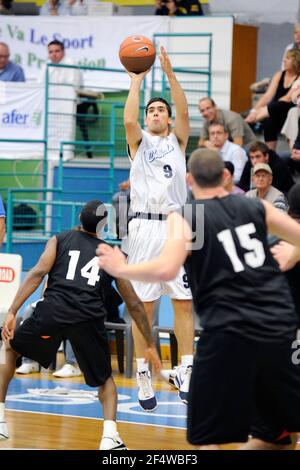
<point x="15" y="118"/>
<point x="22" y="117"/>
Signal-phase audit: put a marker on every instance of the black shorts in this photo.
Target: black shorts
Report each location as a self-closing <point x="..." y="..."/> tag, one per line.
<point x="231" y="377"/>
<point x="88" y="339"/>
<point x="259" y="430"/>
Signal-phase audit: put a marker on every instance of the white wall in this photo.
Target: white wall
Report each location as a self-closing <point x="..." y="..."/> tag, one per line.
<point x="222" y="30"/>
<point x="268" y="11"/>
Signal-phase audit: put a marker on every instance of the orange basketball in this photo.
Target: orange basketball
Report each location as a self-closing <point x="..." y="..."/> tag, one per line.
<point x="137" y="53"/>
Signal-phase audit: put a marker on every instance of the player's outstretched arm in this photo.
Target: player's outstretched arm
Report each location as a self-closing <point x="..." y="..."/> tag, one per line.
<point x="137" y="311"/>
<point x="181" y="124"/>
<point x="132" y="112"/>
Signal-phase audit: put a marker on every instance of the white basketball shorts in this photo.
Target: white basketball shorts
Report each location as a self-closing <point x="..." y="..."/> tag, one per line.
<point x="145" y="241"/>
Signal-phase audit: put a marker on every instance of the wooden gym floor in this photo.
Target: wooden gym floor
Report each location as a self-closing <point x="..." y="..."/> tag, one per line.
<point x="45" y="430"/>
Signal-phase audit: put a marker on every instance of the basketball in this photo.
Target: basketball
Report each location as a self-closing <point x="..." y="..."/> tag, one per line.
<point x="137" y="53"/>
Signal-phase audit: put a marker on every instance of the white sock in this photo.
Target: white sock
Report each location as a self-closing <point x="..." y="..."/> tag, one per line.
<point x="109" y="428"/>
<point x="187" y="360"/>
<point x="2" y="412"/>
<point x="141" y="365"/>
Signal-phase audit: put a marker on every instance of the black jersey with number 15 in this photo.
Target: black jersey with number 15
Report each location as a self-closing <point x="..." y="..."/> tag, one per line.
<point x="76" y="286"/>
<point x="236" y="284"/>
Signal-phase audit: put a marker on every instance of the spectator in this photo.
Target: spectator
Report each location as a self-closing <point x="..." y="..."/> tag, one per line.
<point x="260" y="153"/>
<point x="239" y="132"/>
<point x="293" y="45"/>
<point x="293" y="274"/>
<point x="5" y="7"/>
<point x="218" y="138"/>
<point x="272" y="108"/>
<point x="63" y="75"/>
<point x="121" y="203"/>
<point x="228" y="183"/>
<point x="178" y="7"/>
<point x="262" y="176"/>
<point x="295" y="157"/>
<point x="9" y="72"/>
<point x="57" y="75"/>
<point x="64" y="7"/>
<point x="2" y="222"/>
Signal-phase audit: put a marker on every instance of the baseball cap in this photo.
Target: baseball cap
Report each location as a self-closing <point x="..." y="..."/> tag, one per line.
<point x="262" y="166"/>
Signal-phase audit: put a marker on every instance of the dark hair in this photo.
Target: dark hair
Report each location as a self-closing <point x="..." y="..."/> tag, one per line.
<point x="93" y="216"/>
<point x="212" y="102"/>
<point x="294" y="201"/>
<point x="56" y="42"/>
<point x="162" y="100"/>
<point x="207" y="167"/>
<point x="229" y="166"/>
<point x="259" y="146"/>
<point x="215" y="124"/>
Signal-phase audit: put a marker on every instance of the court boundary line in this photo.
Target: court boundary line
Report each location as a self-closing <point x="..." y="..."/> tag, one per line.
<point x="93" y="418"/>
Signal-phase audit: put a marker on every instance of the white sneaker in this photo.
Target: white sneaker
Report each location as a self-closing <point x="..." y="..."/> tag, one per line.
<point x="146" y="396"/>
<point x="68" y="370"/>
<point x="169" y="375"/>
<point x="112" y="443"/>
<point x="3" y="431"/>
<point x="182" y="382"/>
<point x="28" y="368"/>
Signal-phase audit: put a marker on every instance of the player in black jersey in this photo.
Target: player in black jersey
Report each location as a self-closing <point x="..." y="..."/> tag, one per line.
<point x="244" y="357"/>
<point x="73" y="309"/>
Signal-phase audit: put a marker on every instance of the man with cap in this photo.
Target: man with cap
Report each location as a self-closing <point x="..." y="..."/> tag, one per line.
<point x="259" y="152"/>
<point x="262" y="179"/>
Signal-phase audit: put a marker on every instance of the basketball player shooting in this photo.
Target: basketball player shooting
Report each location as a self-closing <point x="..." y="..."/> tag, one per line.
<point x="158" y="186"/>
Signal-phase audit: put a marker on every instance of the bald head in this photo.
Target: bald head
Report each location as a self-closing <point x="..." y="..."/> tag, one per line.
<point x="206" y="167"/>
<point x="4" y="55"/>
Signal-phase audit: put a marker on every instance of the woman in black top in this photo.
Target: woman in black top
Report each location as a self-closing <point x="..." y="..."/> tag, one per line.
<point x="273" y="106"/>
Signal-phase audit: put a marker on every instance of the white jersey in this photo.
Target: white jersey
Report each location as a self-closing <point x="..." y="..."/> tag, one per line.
<point x="157" y="175"/>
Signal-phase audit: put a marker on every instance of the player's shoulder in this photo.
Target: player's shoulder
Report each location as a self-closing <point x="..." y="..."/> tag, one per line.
<point x="64" y="234"/>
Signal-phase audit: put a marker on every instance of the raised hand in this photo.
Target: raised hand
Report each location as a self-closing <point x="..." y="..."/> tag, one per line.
<point x="165" y="61"/>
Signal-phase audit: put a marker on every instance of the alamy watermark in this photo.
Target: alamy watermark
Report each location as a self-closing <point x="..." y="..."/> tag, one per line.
<point x="119" y="218"/>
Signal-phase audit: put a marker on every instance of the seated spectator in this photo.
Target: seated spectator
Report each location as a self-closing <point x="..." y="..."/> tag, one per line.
<point x="5" y="7"/>
<point x="228" y="183"/>
<point x="9" y="72"/>
<point x="239" y="132"/>
<point x="121" y="202"/>
<point x="218" y="138"/>
<point x="260" y="153"/>
<point x="262" y="176"/>
<point x="290" y="127"/>
<point x="64" y="7"/>
<point x="294" y="162"/>
<point x="293" y="274"/>
<point x="293" y="45"/>
<point x="178" y="7"/>
<point x="273" y="106"/>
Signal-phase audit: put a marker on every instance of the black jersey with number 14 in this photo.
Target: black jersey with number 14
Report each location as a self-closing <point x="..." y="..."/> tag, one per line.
<point x="76" y="287"/>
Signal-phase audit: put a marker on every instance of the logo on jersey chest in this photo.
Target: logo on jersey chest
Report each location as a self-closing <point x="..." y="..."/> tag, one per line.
<point x="153" y="154"/>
